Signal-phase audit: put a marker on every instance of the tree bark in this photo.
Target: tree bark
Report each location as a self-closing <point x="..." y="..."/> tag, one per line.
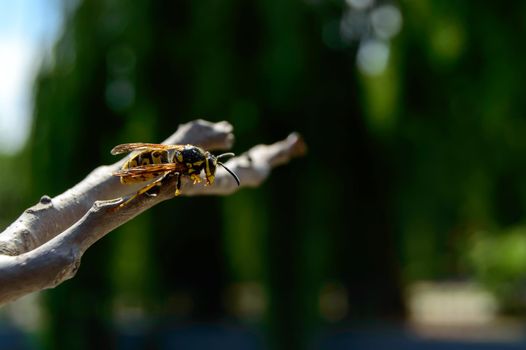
<point x="44" y="246"/>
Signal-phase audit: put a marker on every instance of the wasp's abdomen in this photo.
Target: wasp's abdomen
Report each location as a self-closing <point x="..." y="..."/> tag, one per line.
<point x="144" y="158"/>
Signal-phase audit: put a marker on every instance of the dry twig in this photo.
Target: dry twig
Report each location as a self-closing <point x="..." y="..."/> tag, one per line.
<point x="43" y="247"/>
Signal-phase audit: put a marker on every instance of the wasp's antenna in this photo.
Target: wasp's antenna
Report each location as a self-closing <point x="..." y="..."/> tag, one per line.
<point x="230" y="171"/>
<point x="229" y="154"/>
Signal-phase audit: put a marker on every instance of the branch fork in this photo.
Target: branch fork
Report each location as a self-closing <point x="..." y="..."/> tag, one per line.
<point x="44" y="246"/>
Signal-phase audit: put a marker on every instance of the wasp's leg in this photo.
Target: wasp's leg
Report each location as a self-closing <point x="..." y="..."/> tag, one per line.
<point x="154" y="191"/>
<point x="145" y="189"/>
<point x="196" y="178"/>
<point x="178" y="184"/>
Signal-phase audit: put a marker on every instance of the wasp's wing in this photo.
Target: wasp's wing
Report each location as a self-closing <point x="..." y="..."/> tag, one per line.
<point x="149" y="169"/>
<point x="140" y="146"/>
<point x="144" y="173"/>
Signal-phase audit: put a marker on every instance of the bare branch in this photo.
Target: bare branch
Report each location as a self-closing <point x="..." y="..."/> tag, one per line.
<point x="44" y="246"/>
<point x="252" y="167"/>
<point x="51" y="216"/>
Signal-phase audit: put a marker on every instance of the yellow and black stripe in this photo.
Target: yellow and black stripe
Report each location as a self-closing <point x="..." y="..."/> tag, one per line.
<point x="144" y="158"/>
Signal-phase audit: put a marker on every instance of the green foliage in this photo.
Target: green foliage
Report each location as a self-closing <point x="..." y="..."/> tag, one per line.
<point x="14" y="188"/>
<point x="499" y="261"/>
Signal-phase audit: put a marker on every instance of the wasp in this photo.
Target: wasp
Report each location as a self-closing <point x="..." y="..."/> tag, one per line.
<point x="151" y="161"/>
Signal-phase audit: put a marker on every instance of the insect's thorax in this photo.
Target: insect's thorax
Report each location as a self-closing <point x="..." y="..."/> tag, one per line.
<point x="193" y="155"/>
<point x="191" y="158"/>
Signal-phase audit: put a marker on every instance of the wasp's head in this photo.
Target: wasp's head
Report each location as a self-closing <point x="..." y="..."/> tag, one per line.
<point x="211" y="163"/>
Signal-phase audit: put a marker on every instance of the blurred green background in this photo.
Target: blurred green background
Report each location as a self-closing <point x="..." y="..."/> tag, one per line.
<point x="409" y="206"/>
